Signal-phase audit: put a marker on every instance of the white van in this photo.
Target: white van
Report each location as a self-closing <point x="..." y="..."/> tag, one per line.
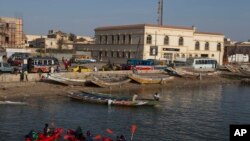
<point x="5" y="67"/>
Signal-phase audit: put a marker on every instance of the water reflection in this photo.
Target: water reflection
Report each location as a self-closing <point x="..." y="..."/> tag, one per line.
<point x="200" y="113"/>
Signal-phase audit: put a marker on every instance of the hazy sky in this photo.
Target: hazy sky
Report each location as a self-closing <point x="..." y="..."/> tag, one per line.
<point x="230" y="17"/>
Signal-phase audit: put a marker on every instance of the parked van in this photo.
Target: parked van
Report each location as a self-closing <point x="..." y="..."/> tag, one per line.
<point x="5" y="67"/>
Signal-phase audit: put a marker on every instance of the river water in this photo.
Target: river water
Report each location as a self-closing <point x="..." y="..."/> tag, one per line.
<point x="200" y="113"/>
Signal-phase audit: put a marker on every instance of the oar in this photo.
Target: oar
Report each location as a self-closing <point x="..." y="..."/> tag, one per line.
<point x="97" y="137"/>
<point x="132" y="130"/>
<point x="109" y="131"/>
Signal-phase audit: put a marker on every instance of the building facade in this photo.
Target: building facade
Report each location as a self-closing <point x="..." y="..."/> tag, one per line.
<point x="145" y="41"/>
<point x="11" y="33"/>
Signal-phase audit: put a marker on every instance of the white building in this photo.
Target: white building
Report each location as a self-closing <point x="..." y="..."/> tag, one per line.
<point x="146" y="41"/>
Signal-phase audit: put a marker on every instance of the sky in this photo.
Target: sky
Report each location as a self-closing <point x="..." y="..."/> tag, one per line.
<point x="81" y="17"/>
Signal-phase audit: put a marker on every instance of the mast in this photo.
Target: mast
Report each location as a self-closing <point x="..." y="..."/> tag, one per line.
<point x="160" y="12"/>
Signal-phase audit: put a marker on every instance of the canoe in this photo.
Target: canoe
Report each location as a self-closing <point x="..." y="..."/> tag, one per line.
<point x="64" y="80"/>
<point x="108" y="100"/>
<point x="55" y="135"/>
<point x="103" y="83"/>
<point x="150" y="80"/>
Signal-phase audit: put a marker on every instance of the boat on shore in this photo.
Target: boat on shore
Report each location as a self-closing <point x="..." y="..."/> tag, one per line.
<point x="6" y="102"/>
<point x="150" y="80"/>
<point x="106" y="99"/>
<point x="65" y="80"/>
<point x="109" y="83"/>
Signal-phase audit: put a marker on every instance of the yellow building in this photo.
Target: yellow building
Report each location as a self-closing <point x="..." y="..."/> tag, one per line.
<point x="147" y="41"/>
<point x="11" y="32"/>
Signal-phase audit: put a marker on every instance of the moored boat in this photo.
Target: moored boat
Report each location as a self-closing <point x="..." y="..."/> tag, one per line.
<point x="103" y="83"/>
<point x="108" y="99"/>
<point x="64" y="80"/>
<point x="150" y="80"/>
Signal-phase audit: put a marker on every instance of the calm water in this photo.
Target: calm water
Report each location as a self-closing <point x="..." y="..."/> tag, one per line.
<point x="202" y="113"/>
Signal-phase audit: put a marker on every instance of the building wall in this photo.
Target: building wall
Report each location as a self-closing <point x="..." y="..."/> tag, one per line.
<point x="11" y="32"/>
<point x="129" y="37"/>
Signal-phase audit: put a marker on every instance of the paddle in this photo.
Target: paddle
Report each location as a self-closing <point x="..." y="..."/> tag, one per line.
<point x="109" y="131"/>
<point x="97" y="137"/>
<point x="132" y="130"/>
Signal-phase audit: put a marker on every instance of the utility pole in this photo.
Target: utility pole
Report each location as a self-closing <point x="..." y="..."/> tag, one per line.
<point x="160" y="12"/>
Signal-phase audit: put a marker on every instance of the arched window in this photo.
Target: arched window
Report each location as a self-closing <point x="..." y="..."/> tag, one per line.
<point x="219" y="47"/>
<point x="149" y="39"/>
<point x="166" y="40"/>
<point x="129" y="39"/>
<point x="207" y="46"/>
<point x="197" y="46"/>
<point x="181" y="41"/>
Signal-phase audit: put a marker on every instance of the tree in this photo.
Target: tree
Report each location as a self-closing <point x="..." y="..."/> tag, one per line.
<point x="72" y="37"/>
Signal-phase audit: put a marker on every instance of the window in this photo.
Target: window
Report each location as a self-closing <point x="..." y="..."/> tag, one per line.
<point x="105" y="38"/>
<point x="196" y="55"/>
<point x="100" y="40"/>
<point x="183" y="56"/>
<point x="190" y="55"/>
<point x="149" y="39"/>
<point x="118" y="39"/>
<point x="181" y="41"/>
<point x="166" y="40"/>
<point x="197" y="46"/>
<point x="123" y="39"/>
<point x="212" y="55"/>
<point x="129" y="39"/>
<point x="219" y="47"/>
<point x="112" y="53"/>
<point x="207" y="46"/>
<point x="112" y="39"/>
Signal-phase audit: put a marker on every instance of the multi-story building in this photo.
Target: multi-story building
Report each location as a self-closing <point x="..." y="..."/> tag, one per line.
<point x="147" y="41"/>
<point x="11" y="32"/>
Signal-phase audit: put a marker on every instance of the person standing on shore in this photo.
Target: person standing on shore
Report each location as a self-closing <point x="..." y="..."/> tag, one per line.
<point x="26" y="75"/>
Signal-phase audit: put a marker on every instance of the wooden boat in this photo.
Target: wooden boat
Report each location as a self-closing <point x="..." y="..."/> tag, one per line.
<point x="150" y="80"/>
<point x="64" y="80"/>
<point x="12" y="103"/>
<point x="105" y="99"/>
<point x="103" y="83"/>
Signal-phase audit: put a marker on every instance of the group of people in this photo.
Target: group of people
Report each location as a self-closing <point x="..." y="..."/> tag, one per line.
<point x="81" y="137"/>
<point x="33" y="135"/>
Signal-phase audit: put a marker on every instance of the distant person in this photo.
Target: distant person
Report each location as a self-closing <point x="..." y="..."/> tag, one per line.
<point x="52" y="70"/>
<point x="89" y="136"/>
<point x="26" y="75"/>
<point x="78" y="133"/>
<point x="21" y="75"/>
<point x="46" y="130"/>
<point x="122" y="138"/>
<point x="95" y="69"/>
<point x="32" y="136"/>
<point x="157" y="96"/>
<point x="134" y="97"/>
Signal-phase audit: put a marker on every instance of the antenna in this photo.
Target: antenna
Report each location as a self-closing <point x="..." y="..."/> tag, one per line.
<point x="160" y="12"/>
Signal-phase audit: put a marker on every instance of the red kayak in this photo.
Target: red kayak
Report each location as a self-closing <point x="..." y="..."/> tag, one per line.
<point x="70" y="135"/>
<point x="41" y="137"/>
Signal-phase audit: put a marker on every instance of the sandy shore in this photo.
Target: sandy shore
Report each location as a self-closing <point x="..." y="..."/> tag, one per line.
<point x="26" y="89"/>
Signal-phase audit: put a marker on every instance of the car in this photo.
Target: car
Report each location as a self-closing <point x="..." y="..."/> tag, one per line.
<point x="5" y="67"/>
<point x="79" y="69"/>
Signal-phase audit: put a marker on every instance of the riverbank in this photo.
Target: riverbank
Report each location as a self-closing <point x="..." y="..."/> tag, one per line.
<point x="17" y="90"/>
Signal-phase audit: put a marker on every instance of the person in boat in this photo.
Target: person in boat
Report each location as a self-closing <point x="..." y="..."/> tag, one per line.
<point x="157" y="96"/>
<point x="33" y="136"/>
<point x="46" y="130"/>
<point x="122" y="138"/>
<point x="89" y="136"/>
<point x="78" y="133"/>
<point x="134" y="97"/>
